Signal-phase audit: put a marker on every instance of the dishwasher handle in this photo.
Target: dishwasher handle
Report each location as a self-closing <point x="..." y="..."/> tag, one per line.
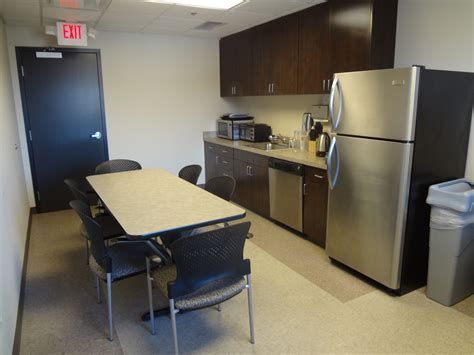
<point x="286" y="166"/>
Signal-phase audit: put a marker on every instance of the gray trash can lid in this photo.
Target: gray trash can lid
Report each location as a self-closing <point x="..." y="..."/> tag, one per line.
<point x="457" y="195"/>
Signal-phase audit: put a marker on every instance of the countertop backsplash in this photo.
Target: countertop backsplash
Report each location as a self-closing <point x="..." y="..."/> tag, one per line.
<point x="283" y="113"/>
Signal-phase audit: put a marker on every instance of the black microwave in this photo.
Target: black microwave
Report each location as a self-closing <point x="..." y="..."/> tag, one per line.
<point x="255" y="132"/>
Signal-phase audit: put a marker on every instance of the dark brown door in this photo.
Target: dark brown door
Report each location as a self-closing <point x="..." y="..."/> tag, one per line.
<point x="263" y="62"/>
<point x="315" y="205"/>
<point x="350" y="35"/>
<point x="243" y="59"/>
<point x="313" y="52"/>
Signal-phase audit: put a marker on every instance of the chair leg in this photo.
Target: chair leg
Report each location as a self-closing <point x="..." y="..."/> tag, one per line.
<point x="249" y="293"/>
<point x="109" y="303"/>
<point x="150" y="296"/>
<point x="173" y="325"/>
<point x="87" y="251"/>
<point x="97" y="285"/>
<point x="218" y="307"/>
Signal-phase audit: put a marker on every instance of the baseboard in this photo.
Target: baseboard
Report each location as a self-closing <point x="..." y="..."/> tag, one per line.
<point x="19" y="318"/>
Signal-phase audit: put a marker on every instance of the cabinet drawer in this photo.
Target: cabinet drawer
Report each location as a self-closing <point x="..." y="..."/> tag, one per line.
<point x="210" y="147"/>
<point x="251" y="158"/>
<point x="225" y="170"/>
<point x="225" y="152"/>
<point x="315" y="175"/>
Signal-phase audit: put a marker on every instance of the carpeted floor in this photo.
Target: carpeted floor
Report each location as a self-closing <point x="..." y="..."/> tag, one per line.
<point x="302" y="304"/>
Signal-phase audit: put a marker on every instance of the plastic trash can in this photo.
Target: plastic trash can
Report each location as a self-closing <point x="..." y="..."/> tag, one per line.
<point x="451" y="259"/>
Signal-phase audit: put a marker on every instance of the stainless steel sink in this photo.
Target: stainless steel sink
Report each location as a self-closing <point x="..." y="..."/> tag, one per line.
<point x="267" y="146"/>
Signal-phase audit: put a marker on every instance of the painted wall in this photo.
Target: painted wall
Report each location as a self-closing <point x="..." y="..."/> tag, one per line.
<point x="161" y="93"/>
<point x="14" y="208"/>
<point x="439" y="35"/>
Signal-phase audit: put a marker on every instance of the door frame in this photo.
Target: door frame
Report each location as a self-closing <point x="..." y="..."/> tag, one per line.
<point x="26" y="117"/>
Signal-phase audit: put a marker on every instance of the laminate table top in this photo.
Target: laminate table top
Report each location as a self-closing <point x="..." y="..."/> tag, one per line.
<point x="150" y="202"/>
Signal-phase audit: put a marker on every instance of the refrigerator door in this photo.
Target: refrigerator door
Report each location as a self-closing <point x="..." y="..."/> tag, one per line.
<point x="367" y="206"/>
<point x="376" y="103"/>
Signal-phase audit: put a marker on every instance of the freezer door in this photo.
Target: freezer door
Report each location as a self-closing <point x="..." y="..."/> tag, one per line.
<point x="368" y="205"/>
<point x="376" y="103"/>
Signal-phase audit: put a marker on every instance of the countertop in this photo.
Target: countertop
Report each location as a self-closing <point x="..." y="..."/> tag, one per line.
<point x="295" y="156"/>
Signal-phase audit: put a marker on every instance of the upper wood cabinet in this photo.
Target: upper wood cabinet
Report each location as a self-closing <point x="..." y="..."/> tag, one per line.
<point x="236" y="64"/>
<point x="276" y="56"/>
<point x="313" y="50"/>
<point x="299" y="53"/>
<point x="362" y="34"/>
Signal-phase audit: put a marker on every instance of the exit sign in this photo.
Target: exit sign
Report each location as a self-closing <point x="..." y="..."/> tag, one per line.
<point x="71" y="34"/>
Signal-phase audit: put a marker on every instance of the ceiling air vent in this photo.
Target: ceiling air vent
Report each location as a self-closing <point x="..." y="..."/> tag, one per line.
<point x="208" y="26"/>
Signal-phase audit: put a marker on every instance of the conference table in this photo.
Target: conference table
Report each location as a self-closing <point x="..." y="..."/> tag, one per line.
<point x="152" y="202"/>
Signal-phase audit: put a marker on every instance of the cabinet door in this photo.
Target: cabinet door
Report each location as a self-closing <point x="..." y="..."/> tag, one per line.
<point x="350" y="35"/>
<point x="226" y="60"/>
<point x="313" y="52"/>
<point x="259" y="190"/>
<point x="243" y="58"/>
<point x="241" y="193"/>
<point x="262" y="53"/>
<point x="315" y="206"/>
<point x="284" y="55"/>
<point x="210" y="161"/>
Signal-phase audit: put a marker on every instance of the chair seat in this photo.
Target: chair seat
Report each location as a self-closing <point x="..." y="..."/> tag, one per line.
<point x="209" y="295"/>
<point x="127" y="259"/>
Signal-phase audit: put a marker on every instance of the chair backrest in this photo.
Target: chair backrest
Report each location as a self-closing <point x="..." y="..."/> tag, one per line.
<point x="94" y="232"/>
<point x="222" y="186"/>
<point x="116" y="166"/>
<point x="190" y="173"/>
<point x="208" y="257"/>
<point x="76" y="191"/>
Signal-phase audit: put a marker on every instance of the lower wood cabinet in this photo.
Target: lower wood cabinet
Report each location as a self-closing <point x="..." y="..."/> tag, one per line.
<point x="219" y="160"/>
<point x="251" y="175"/>
<point x="315" y="199"/>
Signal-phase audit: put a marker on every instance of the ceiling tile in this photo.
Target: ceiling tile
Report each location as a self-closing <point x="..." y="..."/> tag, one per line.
<point x="187" y="12"/>
<point x="23" y="21"/>
<point x="118" y="27"/>
<point x="72" y="15"/>
<point x="217" y="32"/>
<point x="21" y="10"/>
<point x="124" y="19"/>
<point x="137" y="7"/>
<point x="172" y="24"/>
<point x="270" y="7"/>
<point x="242" y="17"/>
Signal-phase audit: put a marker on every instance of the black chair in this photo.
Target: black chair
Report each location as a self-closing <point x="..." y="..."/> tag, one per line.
<point x="190" y="173"/>
<point x="209" y="269"/>
<point x="110" y="227"/>
<point x="116" y="166"/>
<point x="119" y="261"/>
<point x="222" y="186"/>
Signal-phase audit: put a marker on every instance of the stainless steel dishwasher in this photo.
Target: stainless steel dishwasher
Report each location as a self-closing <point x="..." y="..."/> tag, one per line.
<point x="286" y="192"/>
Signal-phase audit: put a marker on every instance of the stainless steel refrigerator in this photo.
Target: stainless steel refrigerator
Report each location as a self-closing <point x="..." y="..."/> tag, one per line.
<point x="397" y="132"/>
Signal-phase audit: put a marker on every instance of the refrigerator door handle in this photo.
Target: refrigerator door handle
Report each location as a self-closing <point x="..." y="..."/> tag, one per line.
<point x="332" y="150"/>
<point x="335" y="86"/>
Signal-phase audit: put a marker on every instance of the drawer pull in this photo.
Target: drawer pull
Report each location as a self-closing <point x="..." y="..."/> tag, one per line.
<point x="210" y="148"/>
<point x="224" y="151"/>
<point x="225" y="162"/>
<point x="318" y="176"/>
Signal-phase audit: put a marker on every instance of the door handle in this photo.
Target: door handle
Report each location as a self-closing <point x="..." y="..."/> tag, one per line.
<point x="269" y="88"/>
<point x="96" y="135"/>
<point x="250" y="171"/>
<point x="335" y="86"/>
<point x="304" y="190"/>
<point x="324" y="85"/>
<point x="333" y="149"/>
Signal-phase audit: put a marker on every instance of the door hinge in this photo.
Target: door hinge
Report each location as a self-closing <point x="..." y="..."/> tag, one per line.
<point x="22" y="71"/>
<point x="31" y="135"/>
<point x="38" y="195"/>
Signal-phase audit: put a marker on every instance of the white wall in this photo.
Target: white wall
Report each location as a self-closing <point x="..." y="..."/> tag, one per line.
<point x="161" y="93"/>
<point x="440" y="35"/>
<point x="14" y="209"/>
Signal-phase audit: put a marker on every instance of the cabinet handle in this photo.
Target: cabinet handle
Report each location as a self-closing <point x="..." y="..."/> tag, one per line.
<point x="251" y="171"/>
<point x="329" y="85"/>
<point x="217" y="160"/>
<point x="318" y="176"/>
<point x="224" y="174"/>
<point x="224" y="151"/>
<point x="273" y="88"/>
<point x="324" y="85"/>
<point x="269" y="88"/>
<point x="304" y="190"/>
<point x="210" y="147"/>
<point x="225" y="162"/>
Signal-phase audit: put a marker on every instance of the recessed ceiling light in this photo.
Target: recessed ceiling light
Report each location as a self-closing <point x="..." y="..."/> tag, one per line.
<point x="208" y="4"/>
